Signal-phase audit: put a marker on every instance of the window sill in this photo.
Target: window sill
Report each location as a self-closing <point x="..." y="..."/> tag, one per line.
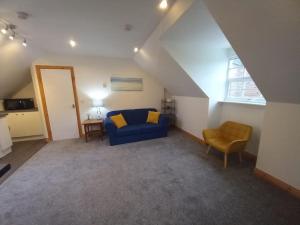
<point x="245" y="103"/>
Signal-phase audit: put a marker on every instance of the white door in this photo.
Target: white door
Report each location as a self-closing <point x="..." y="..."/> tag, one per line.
<point x="60" y="103"/>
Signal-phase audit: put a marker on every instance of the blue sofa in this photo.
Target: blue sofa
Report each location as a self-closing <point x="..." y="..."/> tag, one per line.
<point x="137" y="128"/>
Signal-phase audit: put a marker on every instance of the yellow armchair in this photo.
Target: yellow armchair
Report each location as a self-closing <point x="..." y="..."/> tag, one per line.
<point x="228" y="138"/>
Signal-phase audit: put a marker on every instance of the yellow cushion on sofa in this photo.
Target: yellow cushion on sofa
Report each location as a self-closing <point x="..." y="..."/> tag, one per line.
<point x="119" y="120"/>
<point x="153" y="117"/>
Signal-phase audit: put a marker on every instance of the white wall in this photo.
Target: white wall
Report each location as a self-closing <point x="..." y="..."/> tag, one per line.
<point x="92" y="73"/>
<point x="192" y="114"/>
<point x="252" y="115"/>
<point x="15" y="62"/>
<point x="279" y="150"/>
<point x="214" y="113"/>
<point x="26" y="92"/>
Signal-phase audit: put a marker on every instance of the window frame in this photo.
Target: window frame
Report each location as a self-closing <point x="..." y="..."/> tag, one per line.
<point x="254" y="101"/>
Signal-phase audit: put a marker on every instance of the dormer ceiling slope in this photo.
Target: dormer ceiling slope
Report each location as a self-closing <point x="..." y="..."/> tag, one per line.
<point x="154" y="59"/>
<point x="199" y="46"/>
<point x="266" y="36"/>
<point x="15" y="62"/>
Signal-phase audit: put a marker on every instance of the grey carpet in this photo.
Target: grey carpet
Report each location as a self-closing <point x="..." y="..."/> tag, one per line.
<point x="21" y="152"/>
<point x="169" y="181"/>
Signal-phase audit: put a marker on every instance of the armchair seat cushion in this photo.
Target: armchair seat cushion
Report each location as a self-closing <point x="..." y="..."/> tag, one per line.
<point x="220" y="143"/>
<point x="229" y="137"/>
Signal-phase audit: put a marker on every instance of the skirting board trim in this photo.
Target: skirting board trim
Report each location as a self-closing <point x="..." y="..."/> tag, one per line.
<point x="249" y="156"/>
<point x="246" y="155"/>
<point x="29" y="138"/>
<point x="278" y="183"/>
<point x="201" y="141"/>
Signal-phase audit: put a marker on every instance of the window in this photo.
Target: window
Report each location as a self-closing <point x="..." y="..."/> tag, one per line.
<point x="240" y="86"/>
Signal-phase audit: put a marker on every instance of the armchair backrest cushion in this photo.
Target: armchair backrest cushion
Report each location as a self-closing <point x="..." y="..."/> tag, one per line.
<point x="233" y="130"/>
<point x="133" y="116"/>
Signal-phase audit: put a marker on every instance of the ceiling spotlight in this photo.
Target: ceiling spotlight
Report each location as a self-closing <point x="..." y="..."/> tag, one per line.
<point x="24" y="43"/>
<point x="12" y="36"/>
<point x="136" y="49"/>
<point x="72" y="43"/>
<point x="4" y="30"/>
<point x="163" y="5"/>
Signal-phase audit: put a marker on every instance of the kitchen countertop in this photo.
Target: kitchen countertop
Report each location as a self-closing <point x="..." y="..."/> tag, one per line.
<point x="18" y="111"/>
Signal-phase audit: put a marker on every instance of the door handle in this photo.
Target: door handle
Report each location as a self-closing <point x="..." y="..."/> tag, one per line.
<point x="73" y="106"/>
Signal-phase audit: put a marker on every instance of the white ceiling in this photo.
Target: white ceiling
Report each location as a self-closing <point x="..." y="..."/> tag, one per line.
<point x="97" y="25"/>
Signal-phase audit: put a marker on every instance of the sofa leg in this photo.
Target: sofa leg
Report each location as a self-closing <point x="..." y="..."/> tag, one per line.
<point x="240" y="157"/>
<point x="225" y="160"/>
<point x="208" y="149"/>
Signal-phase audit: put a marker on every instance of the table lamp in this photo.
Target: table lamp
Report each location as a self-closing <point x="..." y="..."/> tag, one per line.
<point x="98" y="104"/>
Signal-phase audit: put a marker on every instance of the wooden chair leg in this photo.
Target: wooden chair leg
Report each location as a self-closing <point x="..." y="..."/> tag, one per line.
<point x="208" y="149"/>
<point x="225" y="160"/>
<point x="240" y="157"/>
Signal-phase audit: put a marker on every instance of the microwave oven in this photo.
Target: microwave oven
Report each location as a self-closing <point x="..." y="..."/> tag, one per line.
<point x="18" y="104"/>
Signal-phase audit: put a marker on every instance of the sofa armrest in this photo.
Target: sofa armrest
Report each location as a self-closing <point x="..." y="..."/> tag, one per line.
<point x="110" y="126"/>
<point x="163" y="120"/>
<point x="211" y="133"/>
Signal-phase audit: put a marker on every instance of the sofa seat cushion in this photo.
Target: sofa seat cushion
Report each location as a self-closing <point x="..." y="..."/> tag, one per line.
<point x="129" y="130"/>
<point x="150" y="128"/>
<point x="137" y="129"/>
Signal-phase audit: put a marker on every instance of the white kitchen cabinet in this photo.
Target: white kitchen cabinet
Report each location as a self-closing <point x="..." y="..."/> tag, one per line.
<point x="5" y="139"/>
<point x="25" y="124"/>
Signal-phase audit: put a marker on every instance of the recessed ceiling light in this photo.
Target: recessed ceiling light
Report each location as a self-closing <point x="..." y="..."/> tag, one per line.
<point x="12" y="36"/>
<point x="136" y="49"/>
<point x="4" y="30"/>
<point x="163" y="5"/>
<point x="72" y="43"/>
<point x="24" y="43"/>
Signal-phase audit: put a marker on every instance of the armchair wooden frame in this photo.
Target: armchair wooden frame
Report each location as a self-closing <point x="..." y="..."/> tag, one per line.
<point x="224" y="140"/>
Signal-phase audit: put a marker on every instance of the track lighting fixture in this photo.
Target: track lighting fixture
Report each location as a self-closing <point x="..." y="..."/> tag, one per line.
<point x="10" y="29"/>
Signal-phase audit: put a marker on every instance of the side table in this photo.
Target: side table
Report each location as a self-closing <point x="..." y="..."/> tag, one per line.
<point x="93" y="127"/>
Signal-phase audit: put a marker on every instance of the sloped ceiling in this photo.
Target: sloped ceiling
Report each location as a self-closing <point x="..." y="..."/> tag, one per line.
<point x="266" y="36"/>
<point x="197" y="44"/>
<point x="154" y="59"/>
<point x="15" y="62"/>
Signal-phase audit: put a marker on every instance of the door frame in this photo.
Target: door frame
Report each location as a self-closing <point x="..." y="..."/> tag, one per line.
<point x="43" y="98"/>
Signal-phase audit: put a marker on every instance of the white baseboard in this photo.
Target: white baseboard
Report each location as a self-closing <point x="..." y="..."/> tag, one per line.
<point x="30" y="138"/>
<point x="5" y="152"/>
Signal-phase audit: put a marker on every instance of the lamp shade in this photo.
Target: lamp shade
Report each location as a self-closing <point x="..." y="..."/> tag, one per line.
<point x="98" y="103"/>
